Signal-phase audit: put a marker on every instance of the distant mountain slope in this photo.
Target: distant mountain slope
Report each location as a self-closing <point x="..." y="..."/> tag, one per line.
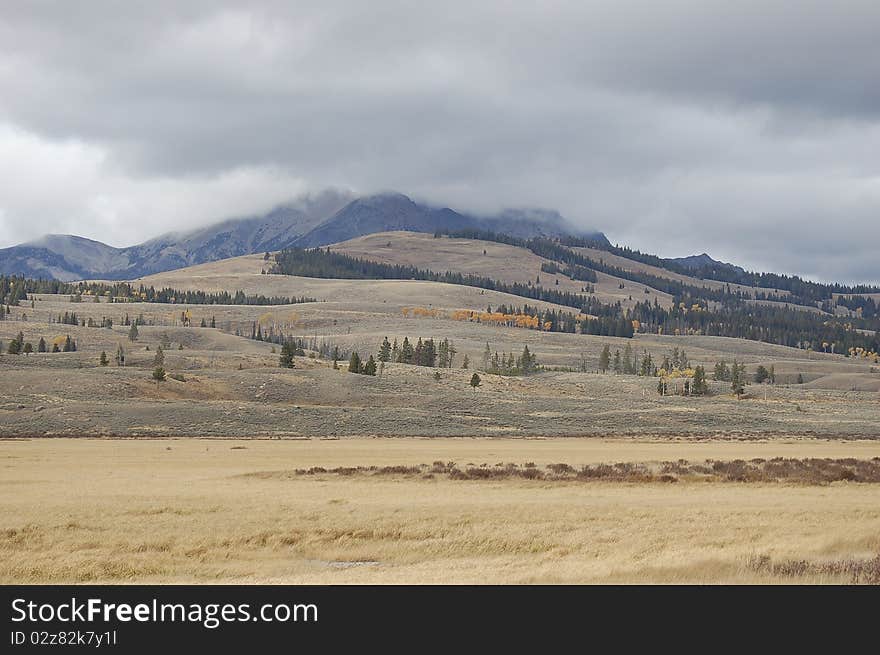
<point x="703" y="263"/>
<point x="328" y="217"/>
<point x="391" y="212"/>
<point x="67" y="257"/>
<point x="381" y="213"/>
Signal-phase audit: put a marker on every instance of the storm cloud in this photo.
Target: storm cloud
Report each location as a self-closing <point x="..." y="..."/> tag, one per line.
<point x="750" y="130"/>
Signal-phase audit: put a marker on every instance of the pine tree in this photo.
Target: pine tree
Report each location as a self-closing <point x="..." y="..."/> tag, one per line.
<point x="213" y="322"/>
<point x="203" y="323"/>
<point x="475" y="381"/>
<point x="527" y="362"/>
<point x="406" y="352"/>
<point x="133" y="332"/>
<point x="159" y="358"/>
<point x="28" y="348"/>
<point x="103" y="361"/>
<point x="737" y="383"/>
<point x="700" y="387"/>
<point x="605" y="358"/>
<point x="618" y="368"/>
<point x="120" y="356"/>
<point x="69" y="346"/>
<point x="466" y="362"/>
<point x="286" y="358"/>
<point x="628" y="366"/>
<point x="370" y="367"/>
<point x="761" y="374"/>
<point x="354" y="364"/>
<point x="385" y="351"/>
<point x="159" y="374"/>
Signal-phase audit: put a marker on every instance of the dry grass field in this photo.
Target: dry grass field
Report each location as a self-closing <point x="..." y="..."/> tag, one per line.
<point x="191" y="510"/>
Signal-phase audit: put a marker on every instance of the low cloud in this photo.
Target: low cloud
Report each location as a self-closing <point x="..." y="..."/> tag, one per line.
<point x="747" y="130"/>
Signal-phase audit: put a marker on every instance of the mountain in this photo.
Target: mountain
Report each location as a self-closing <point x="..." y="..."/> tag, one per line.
<point x="67" y="257"/>
<point x="381" y="213"/>
<point x="704" y="263"/>
<point x="394" y="211"/>
<point x="322" y="219"/>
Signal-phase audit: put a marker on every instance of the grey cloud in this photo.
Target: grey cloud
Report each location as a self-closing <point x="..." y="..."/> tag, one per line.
<point x="746" y="129"/>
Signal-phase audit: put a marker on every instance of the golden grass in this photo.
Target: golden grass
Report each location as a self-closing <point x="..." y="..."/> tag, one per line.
<point x="83" y="510"/>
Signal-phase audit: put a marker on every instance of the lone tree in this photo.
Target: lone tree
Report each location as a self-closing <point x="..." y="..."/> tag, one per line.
<point x="103" y="360"/>
<point x="133" y="331"/>
<point x="605" y="358"/>
<point x="286" y="358"/>
<point x="354" y="364"/>
<point x="41" y="347"/>
<point x="120" y="356"/>
<point x="28" y="348"/>
<point x="761" y="374"/>
<point x="159" y="375"/>
<point x="737" y="379"/>
<point x="475" y="381"/>
<point x="370" y="367"/>
<point x="159" y="358"/>
<point x="699" y="386"/>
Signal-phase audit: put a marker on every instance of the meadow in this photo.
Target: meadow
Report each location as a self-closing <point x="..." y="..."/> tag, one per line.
<point x="238" y="511"/>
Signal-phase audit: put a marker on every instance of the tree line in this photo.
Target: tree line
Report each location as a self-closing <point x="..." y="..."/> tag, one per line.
<point x="18" y="345"/>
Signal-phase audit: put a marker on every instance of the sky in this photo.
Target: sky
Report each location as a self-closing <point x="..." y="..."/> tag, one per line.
<point x="749" y="130"/>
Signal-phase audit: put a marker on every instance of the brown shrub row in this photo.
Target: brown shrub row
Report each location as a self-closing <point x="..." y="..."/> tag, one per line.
<point x="799" y="471"/>
<point x="858" y="571"/>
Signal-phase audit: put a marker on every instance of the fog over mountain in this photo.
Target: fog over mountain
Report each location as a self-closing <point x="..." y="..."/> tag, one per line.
<point x="658" y="123"/>
<point x="312" y="220"/>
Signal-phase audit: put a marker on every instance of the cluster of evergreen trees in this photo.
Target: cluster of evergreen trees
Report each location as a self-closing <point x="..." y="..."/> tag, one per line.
<point x="424" y="353"/>
<point x="322" y="349"/>
<point x="508" y="363"/>
<point x="13" y="289"/>
<point x="736" y="375"/>
<point x="784" y="326"/>
<point x="629" y="362"/>
<point x="18" y="346"/>
<point x="574" y="271"/>
<point x="356" y="365"/>
<point x="868" y="307"/>
<point x="175" y="296"/>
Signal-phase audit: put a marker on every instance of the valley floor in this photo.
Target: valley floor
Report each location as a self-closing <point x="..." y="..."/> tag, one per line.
<point x="197" y="510"/>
